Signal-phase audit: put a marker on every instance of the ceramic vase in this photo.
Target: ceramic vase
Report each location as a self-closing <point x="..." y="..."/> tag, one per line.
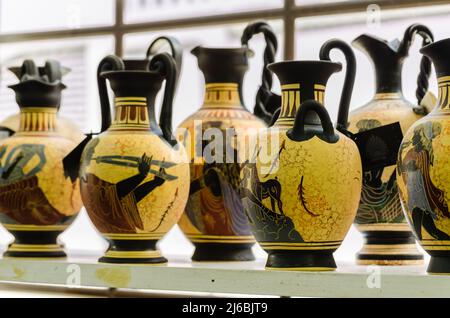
<point x="302" y="186"/>
<point x="38" y="201"/>
<point x="423" y="173"/>
<point x="135" y="175"/>
<point x="388" y="239"/>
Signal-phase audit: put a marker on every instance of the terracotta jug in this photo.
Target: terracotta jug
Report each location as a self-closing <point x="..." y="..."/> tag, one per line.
<point x="387" y="237"/>
<point x="423" y="169"/>
<point x="214" y="220"/>
<point x="302" y="187"/>
<point x="65" y="127"/>
<point x="38" y="201"/>
<point x="135" y="175"/>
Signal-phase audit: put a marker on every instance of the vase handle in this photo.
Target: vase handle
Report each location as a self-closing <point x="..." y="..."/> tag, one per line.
<point x="170" y="45"/>
<point x="266" y="102"/>
<point x="350" y="73"/>
<point x="425" y="62"/>
<point x="108" y="63"/>
<point x="165" y="65"/>
<point x="28" y="70"/>
<point x="300" y="133"/>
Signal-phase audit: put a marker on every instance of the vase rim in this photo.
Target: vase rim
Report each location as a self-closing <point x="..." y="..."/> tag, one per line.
<point x="433" y="44"/>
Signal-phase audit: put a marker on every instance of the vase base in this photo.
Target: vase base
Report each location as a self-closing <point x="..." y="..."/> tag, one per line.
<point x="216" y="252"/>
<point x="35" y="251"/>
<point x="439" y="265"/>
<point x="133" y="257"/>
<point x="301" y="260"/>
<point x="388" y="245"/>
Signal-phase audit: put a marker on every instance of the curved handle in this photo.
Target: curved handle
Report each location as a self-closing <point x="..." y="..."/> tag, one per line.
<point x="165" y="65"/>
<point x="299" y="132"/>
<point x="425" y="62"/>
<point x="53" y="70"/>
<point x="347" y="89"/>
<point x="109" y="63"/>
<point x="176" y="50"/>
<point x="275" y="116"/>
<point x="264" y="104"/>
<point x="28" y="70"/>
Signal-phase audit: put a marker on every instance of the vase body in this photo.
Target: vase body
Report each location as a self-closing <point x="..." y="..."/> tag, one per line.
<point x="37" y="200"/>
<point x="423" y="173"/>
<point x="388" y="239"/>
<point x="134" y="184"/>
<point x="214" y="220"/>
<point x="301" y="196"/>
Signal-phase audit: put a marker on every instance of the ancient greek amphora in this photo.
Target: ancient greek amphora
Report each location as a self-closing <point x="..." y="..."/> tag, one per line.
<point x="37" y="199"/>
<point x="388" y="238"/>
<point x="65" y="127"/>
<point x="217" y="135"/>
<point x="423" y="169"/>
<point x="302" y="187"/>
<point x="134" y="175"/>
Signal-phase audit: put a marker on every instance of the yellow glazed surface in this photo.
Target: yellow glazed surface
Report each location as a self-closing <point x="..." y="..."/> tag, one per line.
<point x="33" y="187"/>
<point x="379" y="200"/>
<point x="158" y="210"/>
<point x="320" y="199"/>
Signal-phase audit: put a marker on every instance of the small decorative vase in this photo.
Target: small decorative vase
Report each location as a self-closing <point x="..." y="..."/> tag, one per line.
<point x="37" y="199"/>
<point x="134" y="175"/>
<point x="388" y="239"/>
<point x="302" y="187"/>
<point x="65" y="127"/>
<point x="423" y="173"/>
<point x="214" y="220"/>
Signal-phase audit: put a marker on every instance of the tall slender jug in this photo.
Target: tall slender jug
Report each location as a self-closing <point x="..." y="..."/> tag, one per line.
<point x="387" y="237"/>
<point x="423" y="169"/>
<point x="135" y="175"/>
<point x="214" y="220"/>
<point x="302" y="186"/>
<point x="38" y="200"/>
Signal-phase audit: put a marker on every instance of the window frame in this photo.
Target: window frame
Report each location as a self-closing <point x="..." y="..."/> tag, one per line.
<point x="288" y="14"/>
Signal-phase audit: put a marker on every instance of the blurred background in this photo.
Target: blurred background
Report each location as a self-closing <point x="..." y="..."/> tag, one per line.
<point x="80" y="32"/>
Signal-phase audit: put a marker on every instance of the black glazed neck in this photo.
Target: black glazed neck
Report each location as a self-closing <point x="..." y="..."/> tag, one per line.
<point x="36" y="93"/>
<point x="386" y="61"/>
<point x="439" y="53"/>
<point x="222" y="65"/>
<point x="134" y="83"/>
<point x="301" y="81"/>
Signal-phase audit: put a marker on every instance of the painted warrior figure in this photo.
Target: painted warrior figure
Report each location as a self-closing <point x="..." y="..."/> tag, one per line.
<point x="425" y="201"/>
<point x="115" y="205"/>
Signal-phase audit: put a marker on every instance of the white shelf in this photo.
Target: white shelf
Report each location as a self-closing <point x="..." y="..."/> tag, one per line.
<point x="237" y="278"/>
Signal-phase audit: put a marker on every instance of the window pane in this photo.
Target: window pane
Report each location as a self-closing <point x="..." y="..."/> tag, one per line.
<point x="81" y="55"/>
<point x="153" y="10"/>
<point x="43" y="15"/>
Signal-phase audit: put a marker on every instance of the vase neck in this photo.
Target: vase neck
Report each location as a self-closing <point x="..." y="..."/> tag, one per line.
<point x="38" y="119"/>
<point x="444" y="93"/>
<point x="131" y="113"/>
<point x="293" y="95"/>
<point x="388" y="80"/>
<point x="222" y="95"/>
